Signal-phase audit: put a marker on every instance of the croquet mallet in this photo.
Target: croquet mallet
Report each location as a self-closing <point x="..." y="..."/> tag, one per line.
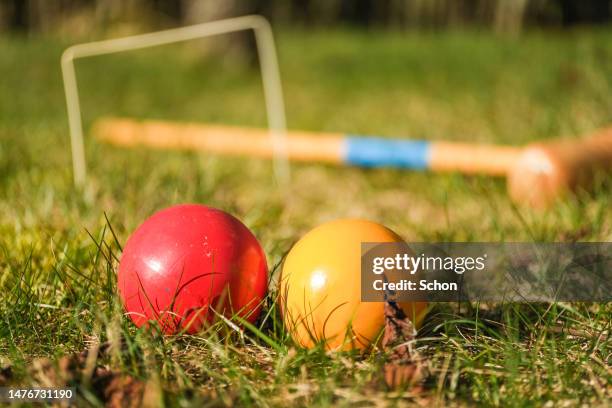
<point x="537" y="174"/>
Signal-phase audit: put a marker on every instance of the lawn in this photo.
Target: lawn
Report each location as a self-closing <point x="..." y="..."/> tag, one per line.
<point x="59" y="245"/>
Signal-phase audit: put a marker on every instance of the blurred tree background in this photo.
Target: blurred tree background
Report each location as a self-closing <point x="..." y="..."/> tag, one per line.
<point x="74" y="17"/>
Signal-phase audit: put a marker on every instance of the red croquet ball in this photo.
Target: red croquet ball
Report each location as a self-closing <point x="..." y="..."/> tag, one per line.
<point x="186" y="260"/>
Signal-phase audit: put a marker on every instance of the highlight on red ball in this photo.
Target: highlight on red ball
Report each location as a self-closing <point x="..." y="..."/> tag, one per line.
<point x="186" y="264"/>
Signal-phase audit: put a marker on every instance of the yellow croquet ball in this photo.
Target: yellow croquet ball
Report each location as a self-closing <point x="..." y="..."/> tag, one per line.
<point x="320" y="287"/>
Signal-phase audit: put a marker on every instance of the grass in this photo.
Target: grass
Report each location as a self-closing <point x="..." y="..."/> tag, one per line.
<point x="59" y="246"/>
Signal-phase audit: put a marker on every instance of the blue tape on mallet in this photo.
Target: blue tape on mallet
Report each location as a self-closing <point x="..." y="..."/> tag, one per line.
<point x="379" y="152"/>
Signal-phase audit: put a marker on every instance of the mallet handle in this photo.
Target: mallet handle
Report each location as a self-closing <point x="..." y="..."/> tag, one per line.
<point x="243" y="141"/>
<point x="327" y="147"/>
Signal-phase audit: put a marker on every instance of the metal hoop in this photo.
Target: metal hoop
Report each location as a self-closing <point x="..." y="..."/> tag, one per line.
<point x="273" y="95"/>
